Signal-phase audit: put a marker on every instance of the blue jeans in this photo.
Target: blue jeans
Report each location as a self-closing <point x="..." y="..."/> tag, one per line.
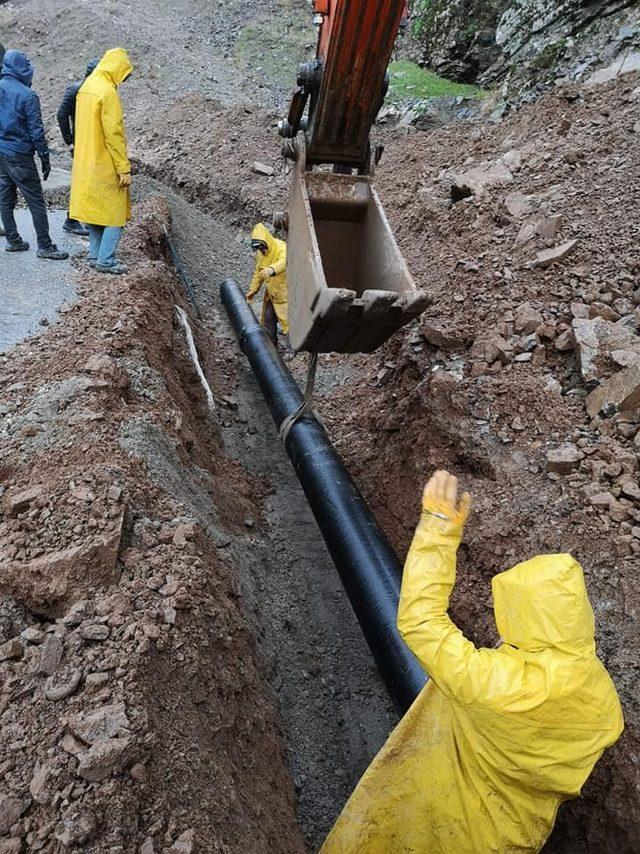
<point x="103" y="243"/>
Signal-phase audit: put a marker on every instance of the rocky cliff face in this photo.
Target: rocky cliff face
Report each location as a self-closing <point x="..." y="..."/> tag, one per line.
<point x="457" y="37"/>
<point x="527" y="43"/>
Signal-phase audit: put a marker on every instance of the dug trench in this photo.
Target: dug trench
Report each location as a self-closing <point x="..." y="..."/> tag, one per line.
<point x="180" y="667"/>
<point x="521" y="233"/>
<point x="176" y="647"/>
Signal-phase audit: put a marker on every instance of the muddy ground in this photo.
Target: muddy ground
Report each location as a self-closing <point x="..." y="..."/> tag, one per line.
<point x="182" y="668"/>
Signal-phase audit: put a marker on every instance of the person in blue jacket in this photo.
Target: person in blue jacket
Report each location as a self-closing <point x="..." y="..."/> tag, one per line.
<point x="67" y="124"/>
<point x="21" y="136"/>
<point x="1" y="61"/>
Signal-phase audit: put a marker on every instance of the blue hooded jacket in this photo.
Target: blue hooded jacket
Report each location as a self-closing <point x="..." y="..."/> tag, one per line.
<point x="21" y="127"/>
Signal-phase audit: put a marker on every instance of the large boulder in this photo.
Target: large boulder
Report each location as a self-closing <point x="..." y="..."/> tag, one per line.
<point x="604" y="347"/>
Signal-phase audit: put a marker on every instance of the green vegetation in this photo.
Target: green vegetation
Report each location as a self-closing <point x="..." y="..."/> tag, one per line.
<point x="421" y="16"/>
<point x="410" y="82"/>
<point x="549" y="55"/>
<point x="271" y="48"/>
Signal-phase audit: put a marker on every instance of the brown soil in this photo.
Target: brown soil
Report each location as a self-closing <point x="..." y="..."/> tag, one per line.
<point x="428" y="399"/>
<point x="145" y="550"/>
<point x="151" y="633"/>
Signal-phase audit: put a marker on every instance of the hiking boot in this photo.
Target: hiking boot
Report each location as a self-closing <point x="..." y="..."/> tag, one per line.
<point x="116" y="269"/>
<point x="16" y="246"/>
<point x="53" y="253"/>
<point x="73" y="227"/>
<point x="92" y="262"/>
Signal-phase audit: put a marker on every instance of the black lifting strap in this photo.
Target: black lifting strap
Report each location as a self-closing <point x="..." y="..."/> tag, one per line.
<point x="306" y="405"/>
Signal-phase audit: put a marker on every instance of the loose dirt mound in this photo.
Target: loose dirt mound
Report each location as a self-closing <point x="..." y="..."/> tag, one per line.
<point x="492" y="382"/>
<point x="524" y="232"/>
<point x="215" y="157"/>
<point x="133" y="713"/>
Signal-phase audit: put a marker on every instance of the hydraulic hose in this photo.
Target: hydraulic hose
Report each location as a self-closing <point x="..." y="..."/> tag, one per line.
<point x="364" y="559"/>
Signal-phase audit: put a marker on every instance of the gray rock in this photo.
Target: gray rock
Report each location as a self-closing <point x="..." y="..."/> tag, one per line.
<point x="565" y="459"/>
<point x="262" y="168"/>
<point x="555" y="254"/>
<point x="50" y="656"/>
<point x="527" y="319"/>
<point x="38" y="787"/>
<point x="33" y="635"/>
<point x="11" y="808"/>
<point x="184" y="843"/>
<point x="565" y="341"/>
<point x="477" y="181"/>
<point x="104" y="723"/>
<point x="597" y="340"/>
<point x="12" y="649"/>
<point x="94" y="631"/>
<point x="621" y="392"/>
<point x="105" y="757"/>
<point x="61" y="689"/>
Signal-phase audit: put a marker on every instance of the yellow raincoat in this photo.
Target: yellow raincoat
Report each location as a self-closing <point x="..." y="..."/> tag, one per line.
<point x="100" y="153"/>
<point x="276" y="286"/>
<point x="499" y="737"/>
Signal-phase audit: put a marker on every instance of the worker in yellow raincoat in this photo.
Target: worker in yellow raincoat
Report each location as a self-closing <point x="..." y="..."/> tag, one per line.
<point x="101" y="174"/>
<point x="498" y="738"/>
<point x="271" y="262"/>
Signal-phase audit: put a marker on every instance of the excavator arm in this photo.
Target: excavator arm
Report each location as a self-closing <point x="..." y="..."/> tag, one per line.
<point x="349" y="287"/>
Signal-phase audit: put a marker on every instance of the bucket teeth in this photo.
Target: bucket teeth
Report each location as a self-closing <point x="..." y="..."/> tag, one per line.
<point x="349" y="287"/>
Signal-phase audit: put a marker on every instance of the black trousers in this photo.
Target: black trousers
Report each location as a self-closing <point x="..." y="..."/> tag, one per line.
<point x="19" y="172"/>
<point x="271" y="322"/>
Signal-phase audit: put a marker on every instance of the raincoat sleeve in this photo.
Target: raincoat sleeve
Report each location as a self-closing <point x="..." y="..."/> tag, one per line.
<point x="462" y="672"/>
<point x="114" y="136"/>
<point x="280" y="264"/>
<point x="35" y="125"/>
<point x="256" y="284"/>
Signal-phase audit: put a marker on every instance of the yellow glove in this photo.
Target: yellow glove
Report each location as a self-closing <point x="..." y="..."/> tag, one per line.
<point x="124" y="180"/>
<point x="440" y="498"/>
<point x="265" y="273"/>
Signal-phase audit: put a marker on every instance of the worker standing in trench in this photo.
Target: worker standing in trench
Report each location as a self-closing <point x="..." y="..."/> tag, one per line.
<point x="101" y="175"/>
<point x="271" y="263"/>
<point x="498" y="738"/>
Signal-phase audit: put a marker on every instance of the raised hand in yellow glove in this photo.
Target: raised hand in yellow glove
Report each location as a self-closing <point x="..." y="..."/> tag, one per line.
<point x="124" y="180"/>
<point x="440" y="498"/>
<point x="265" y="273"/>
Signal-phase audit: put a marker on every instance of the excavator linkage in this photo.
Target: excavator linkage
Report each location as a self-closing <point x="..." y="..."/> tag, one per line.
<point x="349" y="287"/>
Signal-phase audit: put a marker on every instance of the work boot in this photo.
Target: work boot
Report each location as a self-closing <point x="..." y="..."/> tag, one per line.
<point x="72" y="226"/>
<point x="19" y="245"/>
<point x="116" y="269"/>
<point x="53" y="253"/>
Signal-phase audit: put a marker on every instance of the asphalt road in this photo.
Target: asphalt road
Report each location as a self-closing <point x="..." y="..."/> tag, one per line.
<point x="31" y="288"/>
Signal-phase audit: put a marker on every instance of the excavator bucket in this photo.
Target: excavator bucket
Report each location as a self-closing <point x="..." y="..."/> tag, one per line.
<point x="349" y="287"/>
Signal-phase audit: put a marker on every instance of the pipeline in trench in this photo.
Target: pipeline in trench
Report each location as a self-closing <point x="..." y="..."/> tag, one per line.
<point x="363" y="557"/>
<point x="334" y="710"/>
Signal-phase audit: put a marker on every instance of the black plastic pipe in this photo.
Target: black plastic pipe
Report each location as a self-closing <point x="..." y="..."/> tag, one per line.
<point x="366" y="563"/>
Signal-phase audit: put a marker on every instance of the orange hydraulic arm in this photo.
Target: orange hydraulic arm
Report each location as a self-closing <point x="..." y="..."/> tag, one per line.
<point x="346" y="83"/>
<point x="349" y="287"/>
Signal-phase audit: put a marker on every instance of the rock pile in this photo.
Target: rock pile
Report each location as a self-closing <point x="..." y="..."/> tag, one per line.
<point x="133" y="713"/>
<point x="523" y="376"/>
